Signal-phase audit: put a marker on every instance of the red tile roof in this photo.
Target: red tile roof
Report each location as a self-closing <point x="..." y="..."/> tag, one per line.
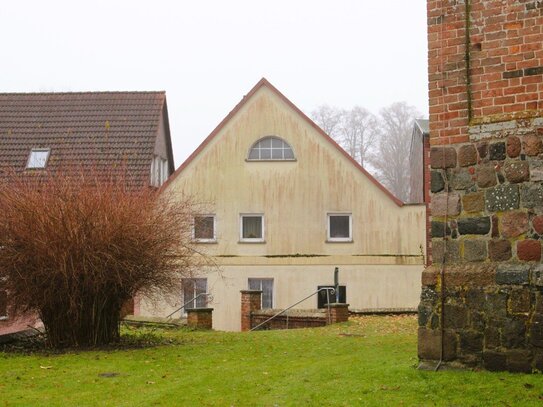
<point x="103" y="130"/>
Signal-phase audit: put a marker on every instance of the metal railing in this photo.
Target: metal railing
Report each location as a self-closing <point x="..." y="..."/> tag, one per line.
<point x="188" y="302"/>
<point x="329" y="290"/>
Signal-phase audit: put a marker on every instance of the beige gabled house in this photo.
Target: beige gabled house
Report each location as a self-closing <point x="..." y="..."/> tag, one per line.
<point x="285" y="205"/>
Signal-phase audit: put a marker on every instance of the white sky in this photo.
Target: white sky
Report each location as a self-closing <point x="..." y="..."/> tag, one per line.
<point x="207" y="54"/>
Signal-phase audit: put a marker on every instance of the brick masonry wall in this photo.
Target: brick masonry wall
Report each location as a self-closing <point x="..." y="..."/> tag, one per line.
<point x="200" y="318"/>
<point x="288" y="322"/>
<point x="250" y="301"/>
<point x="483" y="291"/>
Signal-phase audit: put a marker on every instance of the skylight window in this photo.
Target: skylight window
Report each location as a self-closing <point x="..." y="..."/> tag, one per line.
<point x="38" y="158"/>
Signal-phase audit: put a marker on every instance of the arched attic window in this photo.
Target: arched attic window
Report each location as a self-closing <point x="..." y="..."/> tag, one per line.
<point x="271" y="148"/>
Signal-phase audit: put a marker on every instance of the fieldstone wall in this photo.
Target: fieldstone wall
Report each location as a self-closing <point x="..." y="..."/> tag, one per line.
<point x="481" y="301"/>
<point x="487" y="228"/>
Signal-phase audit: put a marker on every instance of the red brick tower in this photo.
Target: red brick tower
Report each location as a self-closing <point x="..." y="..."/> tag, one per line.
<point x="482" y="299"/>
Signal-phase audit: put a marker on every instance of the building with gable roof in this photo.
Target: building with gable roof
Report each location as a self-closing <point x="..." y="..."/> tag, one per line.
<point x="285" y="205"/>
<point x="48" y="133"/>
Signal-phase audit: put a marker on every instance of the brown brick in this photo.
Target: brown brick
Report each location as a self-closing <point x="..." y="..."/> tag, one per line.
<point x="429" y="277"/>
<point x="495" y="227"/>
<point x="519" y="300"/>
<point x="517" y="171"/>
<point x="445" y="204"/>
<point x="513" y="146"/>
<point x="499" y="250"/>
<point x="529" y="250"/>
<point x="443" y="157"/>
<point x="514" y="223"/>
<point x="482" y="149"/>
<point x="467" y="155"/>
<point x="532" y="145"/>
<point x="486" y="176"/>
<point x="537" y="223"/>
<point x="429" y="347"/>
<point x="474" y="202"/>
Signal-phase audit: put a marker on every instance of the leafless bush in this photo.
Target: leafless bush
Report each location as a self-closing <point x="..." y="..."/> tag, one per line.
<point x="74" y="249"/>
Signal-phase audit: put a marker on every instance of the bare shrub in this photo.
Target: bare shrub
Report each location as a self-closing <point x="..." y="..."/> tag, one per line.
<point x="74" y="249"/>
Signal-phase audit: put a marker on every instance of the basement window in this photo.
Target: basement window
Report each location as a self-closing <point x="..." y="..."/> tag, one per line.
<point x="203" y="230"/>
<point x="194" y="290"/>
<point x="38" y="158"/>
<point x="266" y="286"/>
<point x="339" y="227"/>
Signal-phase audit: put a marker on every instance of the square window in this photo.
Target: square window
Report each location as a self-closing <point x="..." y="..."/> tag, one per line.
<point x="252" y="228"/>
<point x="340" y="227"/>
<point x="194" y="292"/>
<point x="266" y="286"/>
<point x="204" y="228"/>
<point x="38" y="158"/>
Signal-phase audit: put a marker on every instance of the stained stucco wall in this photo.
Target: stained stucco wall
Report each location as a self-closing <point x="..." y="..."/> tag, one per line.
<point x="381" y="267"/>
<point x="295" y="197"/>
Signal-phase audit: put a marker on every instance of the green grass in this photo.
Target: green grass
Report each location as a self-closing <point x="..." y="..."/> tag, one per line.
<point x="368" y="361"/>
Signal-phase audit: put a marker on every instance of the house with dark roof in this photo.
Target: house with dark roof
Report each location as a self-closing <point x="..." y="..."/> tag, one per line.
<point x="48" y="133"/>
<point x="285" y="206"/>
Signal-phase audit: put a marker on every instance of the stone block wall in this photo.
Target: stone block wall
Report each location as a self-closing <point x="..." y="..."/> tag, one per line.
<point x="481" y="301"/>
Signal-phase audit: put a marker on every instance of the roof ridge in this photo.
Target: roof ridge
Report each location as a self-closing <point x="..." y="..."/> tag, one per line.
<point x="84" y="92"/>
<point x="264" y="82"/>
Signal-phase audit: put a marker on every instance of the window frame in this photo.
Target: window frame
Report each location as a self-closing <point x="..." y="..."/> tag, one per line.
<point x="260" y="280"/>
<point x="194" y="293"/>
<point x="205" y="240"/>
<point x="250" y="239"/>
<point x="271" y="137"/>
<point x="159" y="171"/>
<point x="38" y="150"/>
<point x="330" y="239"/>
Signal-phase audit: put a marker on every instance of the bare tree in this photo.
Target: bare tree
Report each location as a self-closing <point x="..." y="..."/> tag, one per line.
<point x="328" y="118"/>
<point x="392" y="159"/>
<point x="355" y="130"/>
<point x="74" y="249"/>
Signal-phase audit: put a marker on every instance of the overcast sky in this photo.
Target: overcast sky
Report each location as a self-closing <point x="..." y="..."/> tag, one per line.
<point x="207" y="54"/>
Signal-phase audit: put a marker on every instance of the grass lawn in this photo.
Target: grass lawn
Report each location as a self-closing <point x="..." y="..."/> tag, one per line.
<point x="367" y="361"/>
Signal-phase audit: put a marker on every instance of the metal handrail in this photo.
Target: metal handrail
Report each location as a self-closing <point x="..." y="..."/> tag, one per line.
<point x="329" y="290"/>
<point x="188" y="302"/>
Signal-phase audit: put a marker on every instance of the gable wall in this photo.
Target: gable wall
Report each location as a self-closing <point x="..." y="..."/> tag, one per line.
<point x="294" y="196"/>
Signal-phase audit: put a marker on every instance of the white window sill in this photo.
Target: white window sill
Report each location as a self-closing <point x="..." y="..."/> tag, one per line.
<point x="255" y="160"/>
<point x="339" y="241"/>
<point x="252" y="241"/>
<point x="205" y="241"/>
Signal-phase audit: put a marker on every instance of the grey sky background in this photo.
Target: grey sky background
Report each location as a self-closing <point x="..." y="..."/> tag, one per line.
<point x="207" y="54"/>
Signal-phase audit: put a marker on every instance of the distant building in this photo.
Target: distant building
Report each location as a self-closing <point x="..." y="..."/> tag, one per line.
<point x="48" y="133"/>
<point x="418" y="159"/>
<point x="286" y="205"/>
